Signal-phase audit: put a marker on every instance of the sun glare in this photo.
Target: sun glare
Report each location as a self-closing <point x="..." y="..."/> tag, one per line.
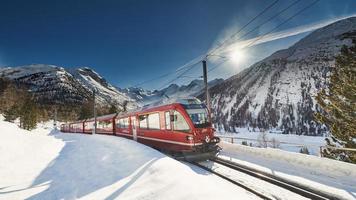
<point x="237" y="56"/>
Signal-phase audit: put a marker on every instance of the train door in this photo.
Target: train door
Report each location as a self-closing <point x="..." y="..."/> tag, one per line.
<point x="134" y="127"/>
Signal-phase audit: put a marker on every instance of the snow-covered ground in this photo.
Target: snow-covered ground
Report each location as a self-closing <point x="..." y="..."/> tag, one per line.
<point x="46" y="164"/>
<point x="330" y="176"/>
<point x="286" y="142"/>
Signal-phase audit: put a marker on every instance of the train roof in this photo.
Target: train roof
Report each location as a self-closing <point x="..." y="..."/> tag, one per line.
<point x="166" y="102"/>
<point x="104" y="117"/>
<point x="147" y="108"/>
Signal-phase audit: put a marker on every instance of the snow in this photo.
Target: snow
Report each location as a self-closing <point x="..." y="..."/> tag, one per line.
<point x="330" y="176"/>
<point x="287" y="142"/>
<point x="47" y="164"/>
<point x="20" y="71"/>
<point x="270" y="190"/>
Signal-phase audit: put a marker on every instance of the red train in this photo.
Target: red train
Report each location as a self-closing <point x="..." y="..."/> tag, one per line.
<point x="180" y="128"/>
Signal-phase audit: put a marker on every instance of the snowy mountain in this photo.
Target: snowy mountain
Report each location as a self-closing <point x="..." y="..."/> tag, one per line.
<point x="53" y="84"/>
<point x="194" y="88"/>
<point x="279" y="91"/>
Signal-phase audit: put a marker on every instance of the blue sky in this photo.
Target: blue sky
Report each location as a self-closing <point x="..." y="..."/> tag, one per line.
<point x="130" y="41"/>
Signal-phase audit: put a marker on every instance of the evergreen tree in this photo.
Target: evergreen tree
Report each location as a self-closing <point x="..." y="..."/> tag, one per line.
<point x="86" y="111"/>
<point x="112" y="109"/>
<point x="339" y="103"/>
<point x="28" y="114"/>
<point x="12" y="113"/>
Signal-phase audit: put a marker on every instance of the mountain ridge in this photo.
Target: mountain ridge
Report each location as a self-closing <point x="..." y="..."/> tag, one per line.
<point x="279" y="91"/>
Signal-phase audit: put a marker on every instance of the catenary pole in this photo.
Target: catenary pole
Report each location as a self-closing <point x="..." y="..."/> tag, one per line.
<point x="94" y="108"/>
<point x="207" y="97"/>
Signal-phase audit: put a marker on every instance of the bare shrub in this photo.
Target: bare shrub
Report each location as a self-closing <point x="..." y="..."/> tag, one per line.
<point x="304" y="150"/>
<point x="274" y="143"/>
<point x="262" y="139"/>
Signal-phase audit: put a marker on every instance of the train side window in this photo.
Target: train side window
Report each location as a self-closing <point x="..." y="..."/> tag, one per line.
<point x="104" y="124"/>
<point x="179" y="123"/>
<point x="167" y="120"/>
<point x="143" y="121"/>
<point x="126" y="122"/>
<point x="153" y="121"/>
<point x="123" y="123"/>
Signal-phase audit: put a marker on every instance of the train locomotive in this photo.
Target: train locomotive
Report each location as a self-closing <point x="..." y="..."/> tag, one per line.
<point x="180" y="128"/>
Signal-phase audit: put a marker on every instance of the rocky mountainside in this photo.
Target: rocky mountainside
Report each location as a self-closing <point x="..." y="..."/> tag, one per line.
<point x="174" y="91"/>
<point x="52" y="84"/>
<point x="279" y="91"/>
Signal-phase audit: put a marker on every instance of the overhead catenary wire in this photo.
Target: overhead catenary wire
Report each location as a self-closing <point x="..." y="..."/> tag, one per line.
<point x="187" y="65"/>
<point x="243" y="27"/>
<point x="181" y="74"/>
<point x="201" y="57"/>
<point x="270" y="19"/>
<point x="191" y="64"/>
<point x="274" y="29"/>
<point x="281" y="24"/>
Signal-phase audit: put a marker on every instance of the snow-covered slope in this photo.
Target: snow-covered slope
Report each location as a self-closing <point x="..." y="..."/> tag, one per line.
<point x="53" y="84"/>
<point x="45" y="164"/>
<point x="279" y="91"/>
<point x="174" y="91"/>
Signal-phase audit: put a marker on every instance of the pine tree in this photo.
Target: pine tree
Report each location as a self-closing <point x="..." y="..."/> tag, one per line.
<point x="12" y="113"/>
<point x="86" y="111"/>
<point x="28" y="114"/>
<point x="339" y="102"/>
<point x="112" y="109"/>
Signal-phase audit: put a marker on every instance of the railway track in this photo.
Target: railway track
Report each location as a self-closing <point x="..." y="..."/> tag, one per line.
<point x="270" y="179"/>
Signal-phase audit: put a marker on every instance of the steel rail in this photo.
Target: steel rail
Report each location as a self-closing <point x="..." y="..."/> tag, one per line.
<point x="294" y="187"/>
<point x="257" y="193"/>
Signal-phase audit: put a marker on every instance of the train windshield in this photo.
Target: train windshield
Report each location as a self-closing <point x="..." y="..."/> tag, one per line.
<point x="199" y="117"/>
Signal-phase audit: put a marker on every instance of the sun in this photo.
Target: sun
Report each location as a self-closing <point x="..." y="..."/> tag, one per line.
<point x="237" y="56"/>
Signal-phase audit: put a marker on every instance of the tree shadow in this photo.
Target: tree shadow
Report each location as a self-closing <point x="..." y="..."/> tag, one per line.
<point x="88" y="163"/>
<point x="117" y="193"/>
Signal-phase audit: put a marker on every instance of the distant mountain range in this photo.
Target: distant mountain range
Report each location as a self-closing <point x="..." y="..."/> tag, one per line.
<point x="174" y="91"/>
<point x="56" y="85"/>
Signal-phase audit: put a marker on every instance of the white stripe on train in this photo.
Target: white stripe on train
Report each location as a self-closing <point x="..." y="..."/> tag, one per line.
<point x="161" y="140"/>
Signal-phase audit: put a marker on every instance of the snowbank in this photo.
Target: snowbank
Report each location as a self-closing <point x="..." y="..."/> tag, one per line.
<point x="288" y="142"/>
<point x="45" y="164"/>
<point x="331" y="176"/>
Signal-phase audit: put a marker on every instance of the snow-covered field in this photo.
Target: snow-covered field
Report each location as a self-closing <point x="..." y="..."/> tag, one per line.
<point x="46" y="164"/>
<point x="286" y="142"/>
<point x="330" y="176"/>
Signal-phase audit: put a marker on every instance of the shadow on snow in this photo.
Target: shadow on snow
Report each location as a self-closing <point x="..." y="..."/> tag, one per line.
<point x="88" y="163"/>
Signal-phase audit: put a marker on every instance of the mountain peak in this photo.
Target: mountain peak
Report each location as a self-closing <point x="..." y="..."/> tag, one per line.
<point x="55" y="84"/>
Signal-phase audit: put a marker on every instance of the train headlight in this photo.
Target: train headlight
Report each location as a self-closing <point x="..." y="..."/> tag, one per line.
<point x="207" y="139"/>
<point x="189" y="138"/>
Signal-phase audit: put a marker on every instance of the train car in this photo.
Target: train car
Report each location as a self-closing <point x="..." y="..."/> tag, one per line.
<point x="125" y="125"/>
<point x="77" y="127"/>
<point x="105" y="124"/>
<point x="181" y="128"/>
<point x="62" y="127"/>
